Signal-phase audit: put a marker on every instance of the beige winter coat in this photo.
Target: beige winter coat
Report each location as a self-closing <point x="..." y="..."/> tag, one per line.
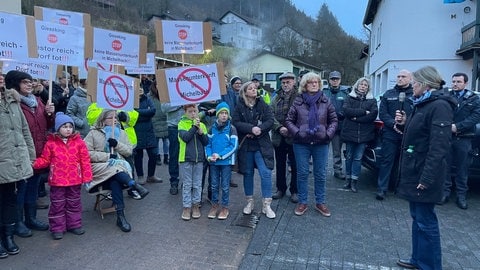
<point x="99" y="158"/>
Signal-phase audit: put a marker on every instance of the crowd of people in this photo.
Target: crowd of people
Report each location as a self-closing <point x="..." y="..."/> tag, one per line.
<point x="77" y="143"/>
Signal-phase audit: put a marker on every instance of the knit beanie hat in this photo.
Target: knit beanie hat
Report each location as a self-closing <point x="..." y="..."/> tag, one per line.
<point x="61" y="119"/>
<point x="14" y="77"/>
<point x="234" y="79"/>
<point x="223" y="106"/>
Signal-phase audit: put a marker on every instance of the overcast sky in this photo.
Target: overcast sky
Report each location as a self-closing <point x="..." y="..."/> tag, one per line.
<point x="349" y="13"/>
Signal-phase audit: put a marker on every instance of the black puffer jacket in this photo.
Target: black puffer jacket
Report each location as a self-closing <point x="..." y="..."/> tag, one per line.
<point x="389" y="105"/>
<point x="425" y="146"/>
<point x="358" y="126"/>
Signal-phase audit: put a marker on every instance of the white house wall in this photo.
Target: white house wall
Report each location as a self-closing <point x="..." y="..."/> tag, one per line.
<point x="410" y="34"/>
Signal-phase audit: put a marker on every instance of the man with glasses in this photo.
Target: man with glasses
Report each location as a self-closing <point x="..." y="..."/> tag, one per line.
<point x="337" y="96"/>
<point x="281" y="141"/>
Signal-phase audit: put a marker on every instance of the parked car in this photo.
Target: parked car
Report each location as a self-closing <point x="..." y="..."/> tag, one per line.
<point x="373" y="153"/>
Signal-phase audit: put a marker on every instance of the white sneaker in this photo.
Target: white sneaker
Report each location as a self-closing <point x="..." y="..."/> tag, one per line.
<point x="247" y="210"/>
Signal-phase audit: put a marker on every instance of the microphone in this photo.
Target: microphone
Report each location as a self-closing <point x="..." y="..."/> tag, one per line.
<point x="401" y="99"/>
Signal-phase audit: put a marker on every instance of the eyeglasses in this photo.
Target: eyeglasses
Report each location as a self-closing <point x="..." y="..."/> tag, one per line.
<point x="26" y="81"/>
<point x="238" y="83"/>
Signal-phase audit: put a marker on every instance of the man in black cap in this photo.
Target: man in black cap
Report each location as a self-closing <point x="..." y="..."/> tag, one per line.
<point x="337" y="96"/>
<point x="281" y="141"/>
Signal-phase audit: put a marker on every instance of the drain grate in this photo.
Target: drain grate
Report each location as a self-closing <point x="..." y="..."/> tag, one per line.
<point x="249" y="221"/>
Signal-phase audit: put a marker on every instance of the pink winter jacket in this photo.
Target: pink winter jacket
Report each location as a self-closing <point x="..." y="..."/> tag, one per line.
<point x="69" y="162"/>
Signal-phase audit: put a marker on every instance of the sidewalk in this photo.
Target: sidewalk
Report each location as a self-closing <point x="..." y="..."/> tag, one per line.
<point x="362" y="233"/>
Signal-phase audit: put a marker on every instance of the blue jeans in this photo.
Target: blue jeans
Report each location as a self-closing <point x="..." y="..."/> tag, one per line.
<point x="191" y="174"/>
<point x="221" y="175"/>
<point x="390" y="152"/>
<point x="151" y="164"/>
<point x="27" y="190"/>
<point x="256" y="158"/>
<point x="117" y="183"/>
<point x="353" y="159"/>
<point x="426" y="247"/>
<point x="164" y="145"/>
<point x="319" y="154"/>
<point x="173" y="150"/>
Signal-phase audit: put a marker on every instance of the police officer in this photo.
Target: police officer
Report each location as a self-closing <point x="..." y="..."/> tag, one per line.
<point x="392" y="137"/>
<point x="466" y="115"/>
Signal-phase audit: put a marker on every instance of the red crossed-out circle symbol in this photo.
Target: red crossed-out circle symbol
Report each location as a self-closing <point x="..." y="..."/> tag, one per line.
<point x="182" y="34"/>
<point x="183" y="76"/>
<point x="99" y="66"/>
<point x="122" y="96"/>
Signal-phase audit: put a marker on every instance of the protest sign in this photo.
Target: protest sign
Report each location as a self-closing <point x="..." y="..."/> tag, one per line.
<point x="62" y="16"/>
<point x="18" y="39"/>
<point x="148" y="68"/>
<point x="183" y="37"/>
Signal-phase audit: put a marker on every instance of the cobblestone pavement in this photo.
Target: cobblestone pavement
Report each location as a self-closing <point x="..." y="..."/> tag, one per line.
<point x="362" y="233"/>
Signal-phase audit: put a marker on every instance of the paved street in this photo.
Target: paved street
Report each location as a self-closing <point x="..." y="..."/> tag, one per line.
<point x="362" y="233"/>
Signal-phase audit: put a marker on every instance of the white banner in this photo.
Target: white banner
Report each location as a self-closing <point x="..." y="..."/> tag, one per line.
<point x="115" y="47"/>
<point x="60" y="44"/>
<point x="148" y="68"/>
<point x="182" y="37"/>
<point x="115" y="91"/>
<point x="83" y="69"/>
<point x="192" y="84"/>
<point x="14" y="42"/>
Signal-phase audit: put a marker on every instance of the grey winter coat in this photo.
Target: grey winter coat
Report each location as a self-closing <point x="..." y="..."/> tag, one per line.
<point x="101" y="169"/>
<point x="77" y="109"/>
<point x="159" y="120"/>
<point x="17" y="151"/>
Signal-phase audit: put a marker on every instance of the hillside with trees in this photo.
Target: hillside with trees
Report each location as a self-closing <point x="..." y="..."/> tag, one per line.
<point x="336" y="50"/>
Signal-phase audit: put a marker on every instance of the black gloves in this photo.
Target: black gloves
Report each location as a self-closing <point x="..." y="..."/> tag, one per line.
<point x="122" y="117"/>
<point x="112" y="142"/>
<point x="114" y="156"/>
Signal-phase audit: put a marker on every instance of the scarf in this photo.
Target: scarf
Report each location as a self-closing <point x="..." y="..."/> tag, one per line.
<point x="30" y="100"/>
<point x="108" y="134"/>
<point x="311" y="100"/>
<point x="420" y="99"/>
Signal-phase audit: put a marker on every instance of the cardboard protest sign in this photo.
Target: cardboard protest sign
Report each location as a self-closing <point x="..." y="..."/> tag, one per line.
<point x="183" y="37"/>
<point x="18" y="39"/>
<point x="193" y="84"/>
<point x="119" y="48"/>
<point x="60" y="44"/>
<point x="62" y="16"/>
<point x="33" y="67"/>
<point x="83" y="69"/>
<point x="113" y="91"/>
<point x="148" y="68"/>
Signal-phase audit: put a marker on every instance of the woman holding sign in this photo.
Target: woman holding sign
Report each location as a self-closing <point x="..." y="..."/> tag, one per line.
<point x="108" y="146"/>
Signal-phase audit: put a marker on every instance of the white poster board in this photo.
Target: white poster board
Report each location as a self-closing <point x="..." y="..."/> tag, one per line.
<point x="116" y="47"/>
<point x="193" y="84"/>
<point x="33" y="67"/>
<point x="63" y="17"/>
<point x="148" y="68"/>
<point x="182" y="37"/>
<point x="60" y="44"/>
<point x="115" y="91"/>
<point x="15" y="42"/>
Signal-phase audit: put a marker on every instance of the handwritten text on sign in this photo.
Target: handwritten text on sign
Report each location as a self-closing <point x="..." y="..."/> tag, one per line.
<point x="182" y="37"/>
<point x="63" y="17"/>
<point x="192" y="84"/>
<point x="148" y="68"/>
<point x="60" y="44"/>
<point x="13" y="43"/>
<point x="115" y="91"/>
<point x="33" y="67"/>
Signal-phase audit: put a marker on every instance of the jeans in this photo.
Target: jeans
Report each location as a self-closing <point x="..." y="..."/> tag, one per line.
<point x="191" y="175"/>
<point x="27" y="191"/>
<point x="206" y="170"/>
<point x="152" y="161"/>
<point x="117" y="183"/>
<point x="221" y="175"/>
<point x="460" y="159"/>
<point x="337" y="153"/>
<point x="283" y="151"/>
<point x="164" y="145"/>
<point x="319" y="154"/>
<point x="353" y="159"/>
<point x="173" y="150"/>
<point x="390" y="153"/>
<point x="256" y="158"/>
<point x="426" y="246"/>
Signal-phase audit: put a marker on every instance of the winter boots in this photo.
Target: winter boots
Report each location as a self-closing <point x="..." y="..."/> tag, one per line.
<point x="122" y="222"/>
<point x="141" y="190"/>
<point x="20" y="228"/>
<point x="247" y="210"/>
<point x="7" y="245"/>
<point x="165" y="159"/>
<point x="267" y="210"/>
<point x="31" y="220"/>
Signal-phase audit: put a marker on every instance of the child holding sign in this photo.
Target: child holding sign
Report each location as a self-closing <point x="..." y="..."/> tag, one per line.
<point x="192" y="137"/>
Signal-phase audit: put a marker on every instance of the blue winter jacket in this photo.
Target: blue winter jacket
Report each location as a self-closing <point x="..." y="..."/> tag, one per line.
<point x="223" y="140"/>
